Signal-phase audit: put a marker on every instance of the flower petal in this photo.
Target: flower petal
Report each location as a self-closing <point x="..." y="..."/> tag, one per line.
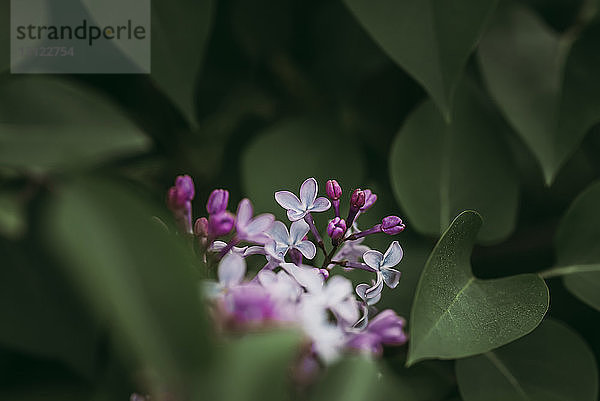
<point x="232" y="269"/>
<point x="295" y="215"/>
<point x="279" y="232"/>
<point x="347" y="309"/>
<point x="288" y="201"/>
<point x="260" y="224"/>
<point x="308" y="192"/>
<point x="244" y="214"/>
<point x="298" y="230"/>
<point x="307" y="276"/>
<point x="320" y="205"/>
<point x="376" y="289"/>
<point x="393" y="255"/>
<point x="373" y="258"/>
<point x="337" y="288"/>
<point x="391" y="277"/>
<point x="276" y="250"/>
<point x="307" y="248"/>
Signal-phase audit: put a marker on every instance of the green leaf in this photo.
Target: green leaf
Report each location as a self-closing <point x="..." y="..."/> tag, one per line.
<point x="551" y="364"/>
<point x="5" y="36"/>
<point x="288" y="153"/>
<point x="180" y="31"/>
<point x="257" y="367"/>
<point x="577" y="245"/>
<point x="544" y="84"/>
<point x="40" y="315"/>
<point x="421" y="37"/>
<point x="12" y="215"/>
<point x="455" y="314"/>
<point x="70" y="126"/>
<point x="359" y="378"/>
<point x="438" y="170"/>
<point x="138" y="277"/>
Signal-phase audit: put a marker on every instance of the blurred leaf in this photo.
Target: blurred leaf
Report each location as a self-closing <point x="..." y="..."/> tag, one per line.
<point x="290" y="152"/>
<point x="40" y="315"/>
<point x="422" y="38"/>
<point x="4" y="36"/>
<point x="257" y="367"/>
<point x="578" y="247"/>
<point x="545" y="86"/>
<point x="438" y="170"/>
<point x="137" y="275"/>
<point x="12" y="216"/>
<point x="455" y="314"/>
<point x="428" y="380"/>
<point x="552" y="363"/>
<point x="359" y="378"/>
<point x="180" y="31"/>
<point x="69" y="126"/>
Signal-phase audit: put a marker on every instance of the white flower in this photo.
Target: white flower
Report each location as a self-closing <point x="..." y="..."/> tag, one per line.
<point x="382" y="264"/>
<point x="231" y="272"/>
<point x="283" y="240"/>
<point x="242" y="251"/>
<point x="308" y="202"/>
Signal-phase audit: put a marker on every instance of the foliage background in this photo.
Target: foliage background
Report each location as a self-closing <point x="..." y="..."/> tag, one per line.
<point x="255" y="96"/>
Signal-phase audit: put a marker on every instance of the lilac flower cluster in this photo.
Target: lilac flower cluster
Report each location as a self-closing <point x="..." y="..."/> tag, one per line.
<point x="291" y="289"/>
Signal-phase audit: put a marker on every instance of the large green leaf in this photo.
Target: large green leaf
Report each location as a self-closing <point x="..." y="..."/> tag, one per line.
<point x="455" y="314"/>
<point x="430" y="39"/>
<point x="288" y="153"/>
<point x="577" y="245"/>
<point x="257" y="367"/>
<point x="545" y="85"/>
<point x="12" y="215"/>
<point x="180" y="31"/>
<point x="359" y="378"/>
<point x="438" y="170"/>
<point x="551" y="364"/>
<point x="68" y="126"/>
<point x="138" y="276"/>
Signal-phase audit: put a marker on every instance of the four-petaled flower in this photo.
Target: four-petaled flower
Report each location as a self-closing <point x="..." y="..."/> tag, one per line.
<point x="308" y="202"/>
<point x="294" y="239"/>
<point x="381" y="264"/>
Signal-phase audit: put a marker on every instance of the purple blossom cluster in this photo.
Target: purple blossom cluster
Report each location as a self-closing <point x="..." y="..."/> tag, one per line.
<point x="291" y="289"/>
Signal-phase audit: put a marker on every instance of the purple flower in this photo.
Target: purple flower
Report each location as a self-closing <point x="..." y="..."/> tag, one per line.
<point x="220" y="224"/>
<point x="243" y="251"/>
<point x="250" y="303"/>
<point x="333" y="190"/>
<point x="308" y="202"/>
<point x="201" y="227"/>
<point x="179" y="200"/>
<point x="281" y="286"/>
<point x="382" y="264"/>
<point x="307" y="276"/>
<point x="252" y="229"/>
<point x="230" y="273"/>
<point x="336" y="296"/>
<point x="370" y="199"/>
<point x="336" y="228"/>
<point x="392" y="225"/>
<point x="387" y="328"/>
<point x="357" y="200"/>
<point x="217" y="201"/>
<point x="283" y="240"/>
<point x="182" y="193"/>
<point x="351" y="251"/>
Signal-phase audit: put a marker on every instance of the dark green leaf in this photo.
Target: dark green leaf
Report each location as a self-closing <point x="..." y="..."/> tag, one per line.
<point x="257" y="367"/>
<point x="545" y="86"/>
<point x="438" y="170"/>
<point x="180" y="31"/>
<point x="551" y="364"/>
<point x="12" y="215"/>
<point x="137" y="276"/>
<point x="431" y="40"/>
<point x="358" y="378"/>
<point x="455" y="314"/>
<point x="68" y="126"/>
<point x="578" y="247"/>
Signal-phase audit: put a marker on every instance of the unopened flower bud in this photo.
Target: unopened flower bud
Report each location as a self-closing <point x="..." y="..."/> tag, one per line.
<point x="201" y="227"/>
<point x="324" y="273"/>
<point x="370" y="199"/>
<point x="336" y="228"/>
<point x="333" y="189"/>
<point x="357" y="200"/>
<point x="217" y="201"/>
<point x="392" y="225"/>
<point x="220" y="224"/>
<point x="184" y="187"/>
